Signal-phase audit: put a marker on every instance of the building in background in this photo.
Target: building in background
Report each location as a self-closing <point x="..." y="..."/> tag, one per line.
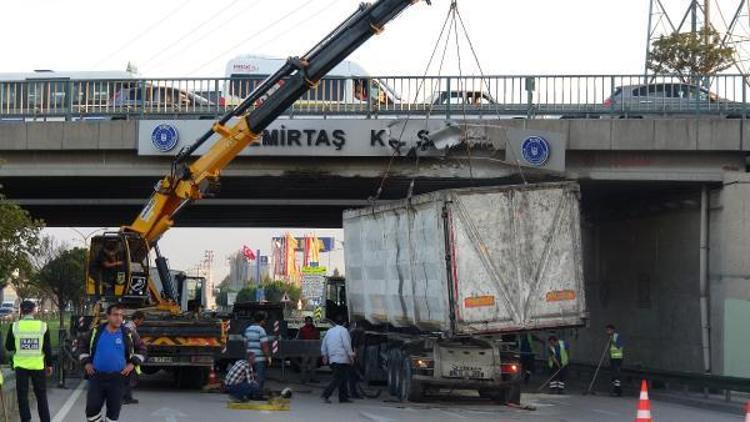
<point x="242" y="271"/>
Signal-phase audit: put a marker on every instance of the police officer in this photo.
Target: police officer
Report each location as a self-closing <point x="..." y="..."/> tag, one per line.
<point x="109" y="353"/>
<point x="558" y="364"/>
<point x="29" y="339"/>
<point x="616" y="355"/>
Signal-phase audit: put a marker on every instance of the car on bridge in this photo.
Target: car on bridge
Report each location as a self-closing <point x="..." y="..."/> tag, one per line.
<point x="669" y="98"/>
<point x="155" y="98"/>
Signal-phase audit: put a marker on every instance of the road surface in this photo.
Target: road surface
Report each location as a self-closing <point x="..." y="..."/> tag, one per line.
<point x="160" y="402"/>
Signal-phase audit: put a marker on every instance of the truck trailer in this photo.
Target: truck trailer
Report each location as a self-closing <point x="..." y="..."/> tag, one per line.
<point x="435" y="282"/>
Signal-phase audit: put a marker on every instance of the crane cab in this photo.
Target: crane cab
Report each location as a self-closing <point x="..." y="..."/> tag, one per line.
<point x="118" y="269"/>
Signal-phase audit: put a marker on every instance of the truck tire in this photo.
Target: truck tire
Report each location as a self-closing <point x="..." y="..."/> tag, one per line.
<point x="410" y="389"/>
<point x="498" y="395"/>
<point x="503" y="395"/>
<point x="191" y="377"/>
<point x="514" y="394"/>
<point x="372" y="370"/>
<point x="394" y="371"/>
<point x="150" y="370"/>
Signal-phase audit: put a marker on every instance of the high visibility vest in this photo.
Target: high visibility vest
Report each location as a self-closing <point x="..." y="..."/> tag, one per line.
<point x="130" y="352"/>
<point x="563" y="358"/>
<point x="614" y="351"/>
<point x="29" y="336"/>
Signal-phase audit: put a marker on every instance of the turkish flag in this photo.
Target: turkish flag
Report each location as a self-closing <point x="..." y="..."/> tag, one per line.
<point x="249" y="254"/>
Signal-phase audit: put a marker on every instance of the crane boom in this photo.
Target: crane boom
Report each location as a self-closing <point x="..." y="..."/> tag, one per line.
<point x="244" y="125"/>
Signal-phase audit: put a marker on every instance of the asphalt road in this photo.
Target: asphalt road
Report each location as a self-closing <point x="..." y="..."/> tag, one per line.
<point x="160" y="402"/>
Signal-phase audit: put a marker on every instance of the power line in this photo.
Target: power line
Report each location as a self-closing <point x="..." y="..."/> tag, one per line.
<point x="156" y="24"/>
<point x="211" y="31"/>
<point x="265" y="28"/>
<point x="192" y="31"/>
<point x="255" y="34"/>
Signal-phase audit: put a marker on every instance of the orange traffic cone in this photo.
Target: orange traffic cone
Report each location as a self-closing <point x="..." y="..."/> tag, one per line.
<point x="747" y="411"/>
<point x="211" y="376"/>
<point x="644" y="405"/>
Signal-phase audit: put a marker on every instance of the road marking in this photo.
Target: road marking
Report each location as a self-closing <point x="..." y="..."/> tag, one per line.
<point x="375" y="418"/>
<point x="605" y="412"/>
<point x="65" y="409"/>
<point x="453" y="414"/>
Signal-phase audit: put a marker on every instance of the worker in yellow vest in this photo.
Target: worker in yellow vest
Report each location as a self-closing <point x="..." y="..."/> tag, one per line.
<point x="28" y="339"/>
<point x="616" y="354"/>
<point x="558" y="360"/>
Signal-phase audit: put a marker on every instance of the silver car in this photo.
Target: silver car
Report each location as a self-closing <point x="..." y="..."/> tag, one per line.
<point x="669" y="98"/>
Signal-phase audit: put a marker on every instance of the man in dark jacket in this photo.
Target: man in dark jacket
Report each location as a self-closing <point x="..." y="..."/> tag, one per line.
<point x="109" y="353"/>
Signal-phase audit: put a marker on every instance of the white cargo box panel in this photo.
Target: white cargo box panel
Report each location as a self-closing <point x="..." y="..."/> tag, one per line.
<point x="497" y="259"/>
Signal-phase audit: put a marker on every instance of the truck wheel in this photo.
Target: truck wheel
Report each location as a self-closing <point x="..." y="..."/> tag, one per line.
<point x="191" y="377"/>
<point x="499" y="395"/>
<point x="372" y="365"/>
<point x="514" y="394"/>
<point x="410" y="389"/>
<point x="394" y="371"/>
<point x="150" y="370"/>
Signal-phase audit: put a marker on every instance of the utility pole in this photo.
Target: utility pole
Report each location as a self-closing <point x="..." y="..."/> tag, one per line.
<point x="209" y="287"/>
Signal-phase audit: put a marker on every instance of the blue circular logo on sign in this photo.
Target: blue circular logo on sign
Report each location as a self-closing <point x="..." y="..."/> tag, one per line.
<point x="535" y="150"/>
<point x="165" y="137"/>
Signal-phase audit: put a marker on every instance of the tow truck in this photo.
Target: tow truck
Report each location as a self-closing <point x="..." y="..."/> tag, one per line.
<point x="191" y="179"/>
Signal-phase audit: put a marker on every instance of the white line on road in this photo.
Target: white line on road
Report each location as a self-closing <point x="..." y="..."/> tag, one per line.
<point x="63" y="412"/>
<point x="605" y="412"/>
<point x="375" y="418"/>
<point x="453" y="414"/>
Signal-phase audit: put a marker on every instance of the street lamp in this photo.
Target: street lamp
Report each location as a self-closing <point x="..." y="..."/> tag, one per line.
<point x="86" y="236"/>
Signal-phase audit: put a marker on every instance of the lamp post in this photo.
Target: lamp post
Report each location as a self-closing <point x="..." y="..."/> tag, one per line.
<point x="61" y="329"/>
<point x="86" y="236"/>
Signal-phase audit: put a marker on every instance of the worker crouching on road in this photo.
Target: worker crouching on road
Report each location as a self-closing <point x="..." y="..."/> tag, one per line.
<point x="558" y="364"/>
<point x="109" y="353"/>
<point x="240" y="381"/>
<point x="616" y="354"/>
<point x="29" y="340"/>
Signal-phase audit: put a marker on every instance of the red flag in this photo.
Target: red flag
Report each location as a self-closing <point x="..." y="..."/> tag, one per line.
<point x="249" y="254"/>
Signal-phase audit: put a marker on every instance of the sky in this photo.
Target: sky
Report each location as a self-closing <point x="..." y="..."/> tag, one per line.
<point x="197" y="38"/>
<point x="170" y="38"/>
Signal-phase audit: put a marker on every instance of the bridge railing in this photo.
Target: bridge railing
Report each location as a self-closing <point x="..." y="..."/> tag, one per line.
<point x="451" y="96"/>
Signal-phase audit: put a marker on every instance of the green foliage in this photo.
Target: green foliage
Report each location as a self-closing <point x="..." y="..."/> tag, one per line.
<point x="689" y="54"/>
<point x="19" y="239"/>
<point x="61" y="277"/>
<point x="274" y="292"/>
<point x="247" y="294"/>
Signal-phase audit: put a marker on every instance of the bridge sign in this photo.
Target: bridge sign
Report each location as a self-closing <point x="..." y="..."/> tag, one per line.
<point x="358" y="138"/>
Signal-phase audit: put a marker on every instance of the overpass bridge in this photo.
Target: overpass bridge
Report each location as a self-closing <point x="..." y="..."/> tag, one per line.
<point x="664" y="188"/>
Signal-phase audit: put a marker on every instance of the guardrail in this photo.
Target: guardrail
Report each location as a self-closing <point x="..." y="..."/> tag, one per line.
<point x="675" y="380"/>
<point x="470" y="96"/>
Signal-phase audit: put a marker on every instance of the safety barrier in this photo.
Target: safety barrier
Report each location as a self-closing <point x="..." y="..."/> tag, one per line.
<point x="676" y="380"/>
<point x="471" y="96"/>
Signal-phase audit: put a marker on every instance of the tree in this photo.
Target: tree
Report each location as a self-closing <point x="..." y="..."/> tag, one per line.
<point x="275" y="291"/>
<point x="62" y="277"/>
<point x="691" y="53"/>
<point x="247" y="294"/>
<point x="19" y="240"/>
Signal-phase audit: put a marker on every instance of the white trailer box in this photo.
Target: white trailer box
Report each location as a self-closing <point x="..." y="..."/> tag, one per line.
<point x="472" y="261"/>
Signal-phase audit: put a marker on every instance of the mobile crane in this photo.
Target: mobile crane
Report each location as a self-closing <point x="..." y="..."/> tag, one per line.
<point x="119" y="269"/>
